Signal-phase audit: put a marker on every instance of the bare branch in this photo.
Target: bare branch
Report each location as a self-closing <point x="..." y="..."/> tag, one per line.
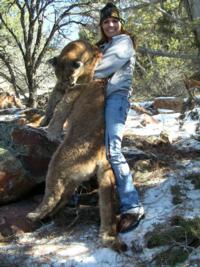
<point x="38" y="39"/>
<point x="141" y="67"/>
<point x="172" y="18"/>
<point x="12" y="78"/>
<point x="15" y="86"/>
<point x="22" y="19"/>
<point x="41" y="9"/>
<point x="160" y="53"/>
<point x="67" y="11"/>
<point x="139" y="6"/>
<point x="48" y="40"/>
<point x="12" y="34"/>
<point x="57" y="26"/>
<point x="73" y="21"/>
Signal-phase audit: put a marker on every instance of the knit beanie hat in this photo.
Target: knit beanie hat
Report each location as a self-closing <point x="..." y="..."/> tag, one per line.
<point x="109" y="11"/>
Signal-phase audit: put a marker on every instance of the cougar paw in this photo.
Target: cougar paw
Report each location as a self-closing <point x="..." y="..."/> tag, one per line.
<point x="33" y="216"/>
<point x="113" y="242"/>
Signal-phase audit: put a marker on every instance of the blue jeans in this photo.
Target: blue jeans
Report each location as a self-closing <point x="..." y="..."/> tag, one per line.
<point x="116" y="110"/>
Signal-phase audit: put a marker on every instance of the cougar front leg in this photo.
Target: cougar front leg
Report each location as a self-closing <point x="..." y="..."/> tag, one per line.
<point x="54" y="99"/>
<point x="55" y="187"/>
<point x="108" y="231"/>
<point x="61" y="114"/>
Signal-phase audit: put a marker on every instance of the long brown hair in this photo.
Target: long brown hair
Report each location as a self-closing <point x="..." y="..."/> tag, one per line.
<point x="104" y="38"/>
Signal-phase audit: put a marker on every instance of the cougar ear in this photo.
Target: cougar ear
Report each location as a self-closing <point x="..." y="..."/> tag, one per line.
<point x="53" y="61"/>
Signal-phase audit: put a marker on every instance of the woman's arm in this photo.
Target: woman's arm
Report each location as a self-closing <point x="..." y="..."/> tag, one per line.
<point x="120" y="51"/>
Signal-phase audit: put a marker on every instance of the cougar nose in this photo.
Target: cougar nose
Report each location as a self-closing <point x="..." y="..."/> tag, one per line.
<point x="77" y="64"/>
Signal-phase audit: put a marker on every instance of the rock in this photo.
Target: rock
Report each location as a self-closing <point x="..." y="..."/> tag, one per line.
<point x="25" y="167"/>
<point x="33" y="149"/>
<point x="188" y="145"/>
<point x="143" y="165"/>
<point x="171" y="103"/>
<point x="9" y="111"/>
<point x="5" y="130"/>
<point x="14" y="117"/>
<point x="13" y="218"/>
<point x="14" y="181"/>
<point x="133" y="154"/>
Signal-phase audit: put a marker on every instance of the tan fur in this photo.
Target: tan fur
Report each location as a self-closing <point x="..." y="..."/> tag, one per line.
<point x="33" y="121"/>
<point x="80" y="156"/>
<point x="68" y="74"/>
<point x="8" y="100"/>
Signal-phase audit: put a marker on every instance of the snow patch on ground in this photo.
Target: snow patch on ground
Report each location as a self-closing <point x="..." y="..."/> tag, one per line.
<point x="83" y="249"/>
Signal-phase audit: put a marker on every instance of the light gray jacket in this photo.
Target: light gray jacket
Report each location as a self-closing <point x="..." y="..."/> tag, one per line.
<point x="117" y="65"/>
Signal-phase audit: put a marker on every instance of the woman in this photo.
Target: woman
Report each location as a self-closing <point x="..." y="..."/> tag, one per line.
<point x="117" y="66"/>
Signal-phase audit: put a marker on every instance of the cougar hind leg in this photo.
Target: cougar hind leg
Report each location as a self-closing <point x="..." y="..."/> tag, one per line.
<point x="70" y="188"/>
<point x="108" y="231"/>
<point x="50" y="200"/>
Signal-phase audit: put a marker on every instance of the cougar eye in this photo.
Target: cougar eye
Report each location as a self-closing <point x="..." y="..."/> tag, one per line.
<point x="77" y="64"/>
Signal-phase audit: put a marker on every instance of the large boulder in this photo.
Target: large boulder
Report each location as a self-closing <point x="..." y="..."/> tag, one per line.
<point x="24" y="165"/>
<point x="170" y="103"/>
<point x="14" y="181"/>
<point x="33" y="149"/>
<point x="13" y="218"/>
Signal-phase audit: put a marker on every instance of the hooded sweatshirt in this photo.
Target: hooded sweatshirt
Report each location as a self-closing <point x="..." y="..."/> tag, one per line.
<point x="117" y="65"/>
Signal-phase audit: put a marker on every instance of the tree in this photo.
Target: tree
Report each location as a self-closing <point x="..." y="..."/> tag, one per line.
<point x="29" y="37"/>
<point x="193" y="11"/>
<point x="167" y="47"/>
<point x="168" y="37"/>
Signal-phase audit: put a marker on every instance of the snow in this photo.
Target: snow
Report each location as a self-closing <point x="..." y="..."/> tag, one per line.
<point x="84" y="249"/>
<point x="167" y="122"/>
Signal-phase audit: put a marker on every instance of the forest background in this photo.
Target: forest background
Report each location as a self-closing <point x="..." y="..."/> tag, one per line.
<point x="32" y="31"/>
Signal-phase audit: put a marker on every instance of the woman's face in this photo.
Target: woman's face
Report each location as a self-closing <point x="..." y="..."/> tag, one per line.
<point x="111" y="27"/>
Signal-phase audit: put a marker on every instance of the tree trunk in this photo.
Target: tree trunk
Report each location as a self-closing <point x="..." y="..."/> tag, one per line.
<point x="32" y="90"/>
<point x="32" y="100"/>
<point x="193" y="10"/>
